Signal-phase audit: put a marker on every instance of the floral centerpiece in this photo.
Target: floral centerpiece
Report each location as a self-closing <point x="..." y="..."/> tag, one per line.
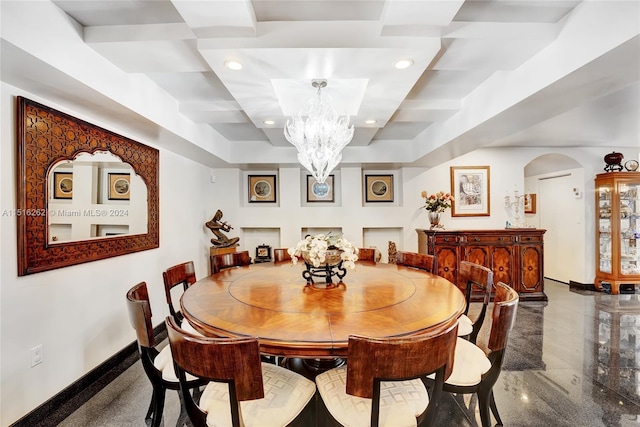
<point x="316" y="249"/>
<point x="438" y="202"/>
<point x="435" y="204"/>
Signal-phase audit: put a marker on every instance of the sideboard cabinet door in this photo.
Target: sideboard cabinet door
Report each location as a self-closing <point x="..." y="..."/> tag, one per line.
<point x="531" y="259"/>
<point x="502" y="264"/>
<point x="492" y="251"/>
<point x="447" y="264"/>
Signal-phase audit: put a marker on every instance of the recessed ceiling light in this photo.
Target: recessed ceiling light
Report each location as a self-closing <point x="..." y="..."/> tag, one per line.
<point x="370" y="121"/>
<point x="403" y="63"/>
<point x="269" y="122"/>
<point x="233" y="65"/>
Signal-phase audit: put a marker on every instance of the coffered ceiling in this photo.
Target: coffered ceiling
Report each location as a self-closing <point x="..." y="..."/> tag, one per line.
<point x="549" y="73"/>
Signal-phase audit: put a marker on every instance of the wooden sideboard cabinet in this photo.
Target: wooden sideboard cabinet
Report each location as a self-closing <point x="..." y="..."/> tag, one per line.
<point x="514" y="255"/>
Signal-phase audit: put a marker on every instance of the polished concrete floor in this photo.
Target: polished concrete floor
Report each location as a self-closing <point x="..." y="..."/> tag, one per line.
<point x="574" y="361"/>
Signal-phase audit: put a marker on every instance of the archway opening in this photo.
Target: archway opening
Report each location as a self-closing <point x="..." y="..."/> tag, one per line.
<point x="557" y="181"/>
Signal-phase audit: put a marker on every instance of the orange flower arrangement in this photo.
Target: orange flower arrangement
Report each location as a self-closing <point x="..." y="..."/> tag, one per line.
<point x="438" y="202"/>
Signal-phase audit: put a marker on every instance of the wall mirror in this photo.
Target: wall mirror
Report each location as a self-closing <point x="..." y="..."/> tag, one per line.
<point x="84" y="193"/>
<point x="92" y="196"/>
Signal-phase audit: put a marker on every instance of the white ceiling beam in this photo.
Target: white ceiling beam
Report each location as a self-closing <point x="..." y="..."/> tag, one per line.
<point x="210" y="105"/>
<point x="159" y="56"/>
<point x="502" y="30"/>
<point x="315" y="34"/>
<point x="137" y="33"/>
<point x="423" y="115"/>
<point x="431" y="104"/>
<point x="477" y="30"/>
<point x="213" y="111"/>
<point x="217" y="117"/>
<point x="207" y="16"/>
<point x="423" y="12"/>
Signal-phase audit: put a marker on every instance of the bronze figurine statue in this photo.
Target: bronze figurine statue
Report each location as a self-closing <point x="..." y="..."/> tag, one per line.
<point x="217" y="226"/>
<point x="393" y="253"/>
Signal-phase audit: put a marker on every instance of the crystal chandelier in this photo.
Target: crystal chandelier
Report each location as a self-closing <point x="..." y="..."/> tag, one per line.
<point x="321" y="137"/>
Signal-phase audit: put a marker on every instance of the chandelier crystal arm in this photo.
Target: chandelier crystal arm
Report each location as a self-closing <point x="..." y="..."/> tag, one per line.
<point x="320" y="137"/>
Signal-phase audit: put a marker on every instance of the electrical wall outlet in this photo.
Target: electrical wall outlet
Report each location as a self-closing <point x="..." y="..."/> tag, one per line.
<point x="36" y="355"/>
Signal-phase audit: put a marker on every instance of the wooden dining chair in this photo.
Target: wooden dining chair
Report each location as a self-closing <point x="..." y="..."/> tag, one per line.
<point x="390" y="375"/>
<point x="158" y="365"/>
<point x="181" y="274"/>
<point x="367" y="254"/>
<point x="477" y="372"/>
<point x="416" y="260"/>
<point x="281" y="255"/>
<point x="479" y="277"/>
<point x="233" y="259"/>
<point x="241" y="391"/>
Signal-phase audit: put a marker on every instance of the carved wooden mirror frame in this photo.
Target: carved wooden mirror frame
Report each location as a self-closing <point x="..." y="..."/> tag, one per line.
<point x="47" y="136"/>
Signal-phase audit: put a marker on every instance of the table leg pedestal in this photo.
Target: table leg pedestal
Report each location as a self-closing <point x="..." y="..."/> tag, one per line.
<point x="310" y="368"/>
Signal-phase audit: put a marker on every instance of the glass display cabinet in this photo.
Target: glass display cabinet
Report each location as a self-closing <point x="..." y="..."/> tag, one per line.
<point x="617" y="344"/>
<point x="617" y="230"/>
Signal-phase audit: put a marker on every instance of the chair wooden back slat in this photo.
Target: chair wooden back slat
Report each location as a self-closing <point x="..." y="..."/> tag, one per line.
<point x="233" y="259"/>
<point x="474" y="275"/>
<point x="140" y="314"/>
<point x="505" y="307"/>
<point x="397" y="358"/>
<point x="374" y="360"/>
<point x="232" y="360"/>
<point x="367" y="254"/>
<point x="182" y="274"/>
<point x="281" y="255"/>
<point x="416" y="260"/>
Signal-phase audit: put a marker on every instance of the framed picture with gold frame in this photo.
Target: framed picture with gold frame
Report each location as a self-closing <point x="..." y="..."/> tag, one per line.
<point x="262" y="189"/>
<point x="317" y="192"/>
<point x="378" y="188"/>
<point x="470" y="187"/>
<point x="63" y="185"/>
<point x="530" y="204"/>
<point x="119" y="186"/>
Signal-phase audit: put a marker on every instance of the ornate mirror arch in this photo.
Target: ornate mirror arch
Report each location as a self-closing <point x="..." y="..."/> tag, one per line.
<point x="46" y="137"/>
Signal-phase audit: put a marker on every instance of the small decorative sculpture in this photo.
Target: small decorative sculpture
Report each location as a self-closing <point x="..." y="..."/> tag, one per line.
<point x="393" y="253"/>
<point x="613" y="161"/>
<point x="217" y="226"/>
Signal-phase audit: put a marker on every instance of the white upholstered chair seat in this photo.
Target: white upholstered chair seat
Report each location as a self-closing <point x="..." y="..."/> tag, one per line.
<point x="285" y="395"/>
<point x="400" y="401"/>
<point x="469" y="364"/>
<point x="465" y="326"/>
<point x="164" y="363"/>
<point x="186" y="326"/>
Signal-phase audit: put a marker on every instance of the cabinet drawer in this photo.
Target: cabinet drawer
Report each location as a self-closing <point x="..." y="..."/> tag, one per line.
<point x="530" y="239"/>
<point x="446" y="239"/>
<point x="488" y="239"/>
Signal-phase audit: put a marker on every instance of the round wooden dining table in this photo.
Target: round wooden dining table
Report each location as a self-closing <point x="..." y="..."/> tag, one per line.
<point x="274" y="303"/>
